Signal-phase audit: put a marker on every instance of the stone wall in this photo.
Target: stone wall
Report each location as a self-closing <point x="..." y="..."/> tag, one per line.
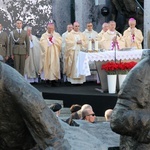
<point x="146" y="24"/>
<point x="83" y="12"/>
<point x="87" y="11"/>
<point x="61" y="14"/>
<point x="35" y="13"/>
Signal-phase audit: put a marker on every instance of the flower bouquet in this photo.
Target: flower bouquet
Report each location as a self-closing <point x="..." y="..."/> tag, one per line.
<point x="114" y="68"/>
<point x="125" y="67"/>
<point x="110" y="67"/>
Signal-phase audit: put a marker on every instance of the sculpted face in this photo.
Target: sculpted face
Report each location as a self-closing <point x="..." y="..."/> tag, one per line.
<point x="19" y="24"/>
<point x="76" y="27"/>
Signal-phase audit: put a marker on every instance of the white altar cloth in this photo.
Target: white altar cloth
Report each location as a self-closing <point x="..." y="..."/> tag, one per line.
<point x="84" y="58"/>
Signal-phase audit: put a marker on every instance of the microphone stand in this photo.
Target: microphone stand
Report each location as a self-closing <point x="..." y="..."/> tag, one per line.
<point x="116" y="44"/>
<point x="114" y="48"/>
<point x="115" y="52"/>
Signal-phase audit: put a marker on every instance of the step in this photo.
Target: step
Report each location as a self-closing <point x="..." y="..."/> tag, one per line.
<point x="100" y="119"/>
<point x="51" y="101"/>
<point x="65" y="111"/>
<point x="66" y="116"/>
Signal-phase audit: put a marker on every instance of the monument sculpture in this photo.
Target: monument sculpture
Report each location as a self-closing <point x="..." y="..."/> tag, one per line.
<point x="131" y="115"/>
<point x="26" y="123"/>
<point x="122" y="10"/>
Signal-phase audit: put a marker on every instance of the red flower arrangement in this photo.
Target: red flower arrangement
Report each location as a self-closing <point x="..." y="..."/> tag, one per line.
<point x="125" y="67"/>
<point x="110" y="67"/>
<point x="118" y="68"/>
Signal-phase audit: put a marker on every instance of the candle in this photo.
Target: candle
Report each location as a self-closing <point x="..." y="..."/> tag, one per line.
<point x="96" y="45"/>
<point x="90" y="45"/>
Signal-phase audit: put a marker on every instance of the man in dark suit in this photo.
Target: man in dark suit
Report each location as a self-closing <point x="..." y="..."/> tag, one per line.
<point x="19" y="47"/>
<point x="4" y="44"/>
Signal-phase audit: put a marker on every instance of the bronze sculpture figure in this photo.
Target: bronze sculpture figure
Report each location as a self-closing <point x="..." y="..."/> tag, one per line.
<point x="25" y="121"/>
<point x="131" y="115"/>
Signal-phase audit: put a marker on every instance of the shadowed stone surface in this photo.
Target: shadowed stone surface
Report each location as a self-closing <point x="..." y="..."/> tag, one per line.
<point x="25" y="120"/>
<point x="131" y="115"/>
<point x="61" y="12"/>
<point x="88" y="136"/>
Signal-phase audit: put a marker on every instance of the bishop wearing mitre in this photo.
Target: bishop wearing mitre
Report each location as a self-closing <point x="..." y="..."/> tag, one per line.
<point x="133" y="36"/>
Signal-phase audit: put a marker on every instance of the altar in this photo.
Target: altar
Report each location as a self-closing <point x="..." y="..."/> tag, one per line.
<point x="84" y="58"/>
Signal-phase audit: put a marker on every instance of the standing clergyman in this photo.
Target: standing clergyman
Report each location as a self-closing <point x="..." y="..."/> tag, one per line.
<point x="51" y="43"/>
<point x="75" y="41"/>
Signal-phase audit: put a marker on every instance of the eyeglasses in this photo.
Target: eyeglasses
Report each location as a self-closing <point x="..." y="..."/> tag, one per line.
<point x="77" y="26"/>
<point x="90" y="25"/>
<point x="91" y="115"/>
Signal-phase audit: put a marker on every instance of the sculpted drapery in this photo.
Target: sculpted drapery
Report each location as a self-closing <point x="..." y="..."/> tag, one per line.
<point x="130" y="117"/>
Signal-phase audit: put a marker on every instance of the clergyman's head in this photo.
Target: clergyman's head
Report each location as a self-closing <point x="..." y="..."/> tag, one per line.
<point x="76" y="26"/>
<point x="50" y="27"/>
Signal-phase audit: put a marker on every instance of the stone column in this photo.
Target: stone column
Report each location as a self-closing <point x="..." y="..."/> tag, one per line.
<point x="146" y="24"/>
<point x="61" y="14"/>
<point x="83" y="11"/>
<point x="87" y="11"/>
